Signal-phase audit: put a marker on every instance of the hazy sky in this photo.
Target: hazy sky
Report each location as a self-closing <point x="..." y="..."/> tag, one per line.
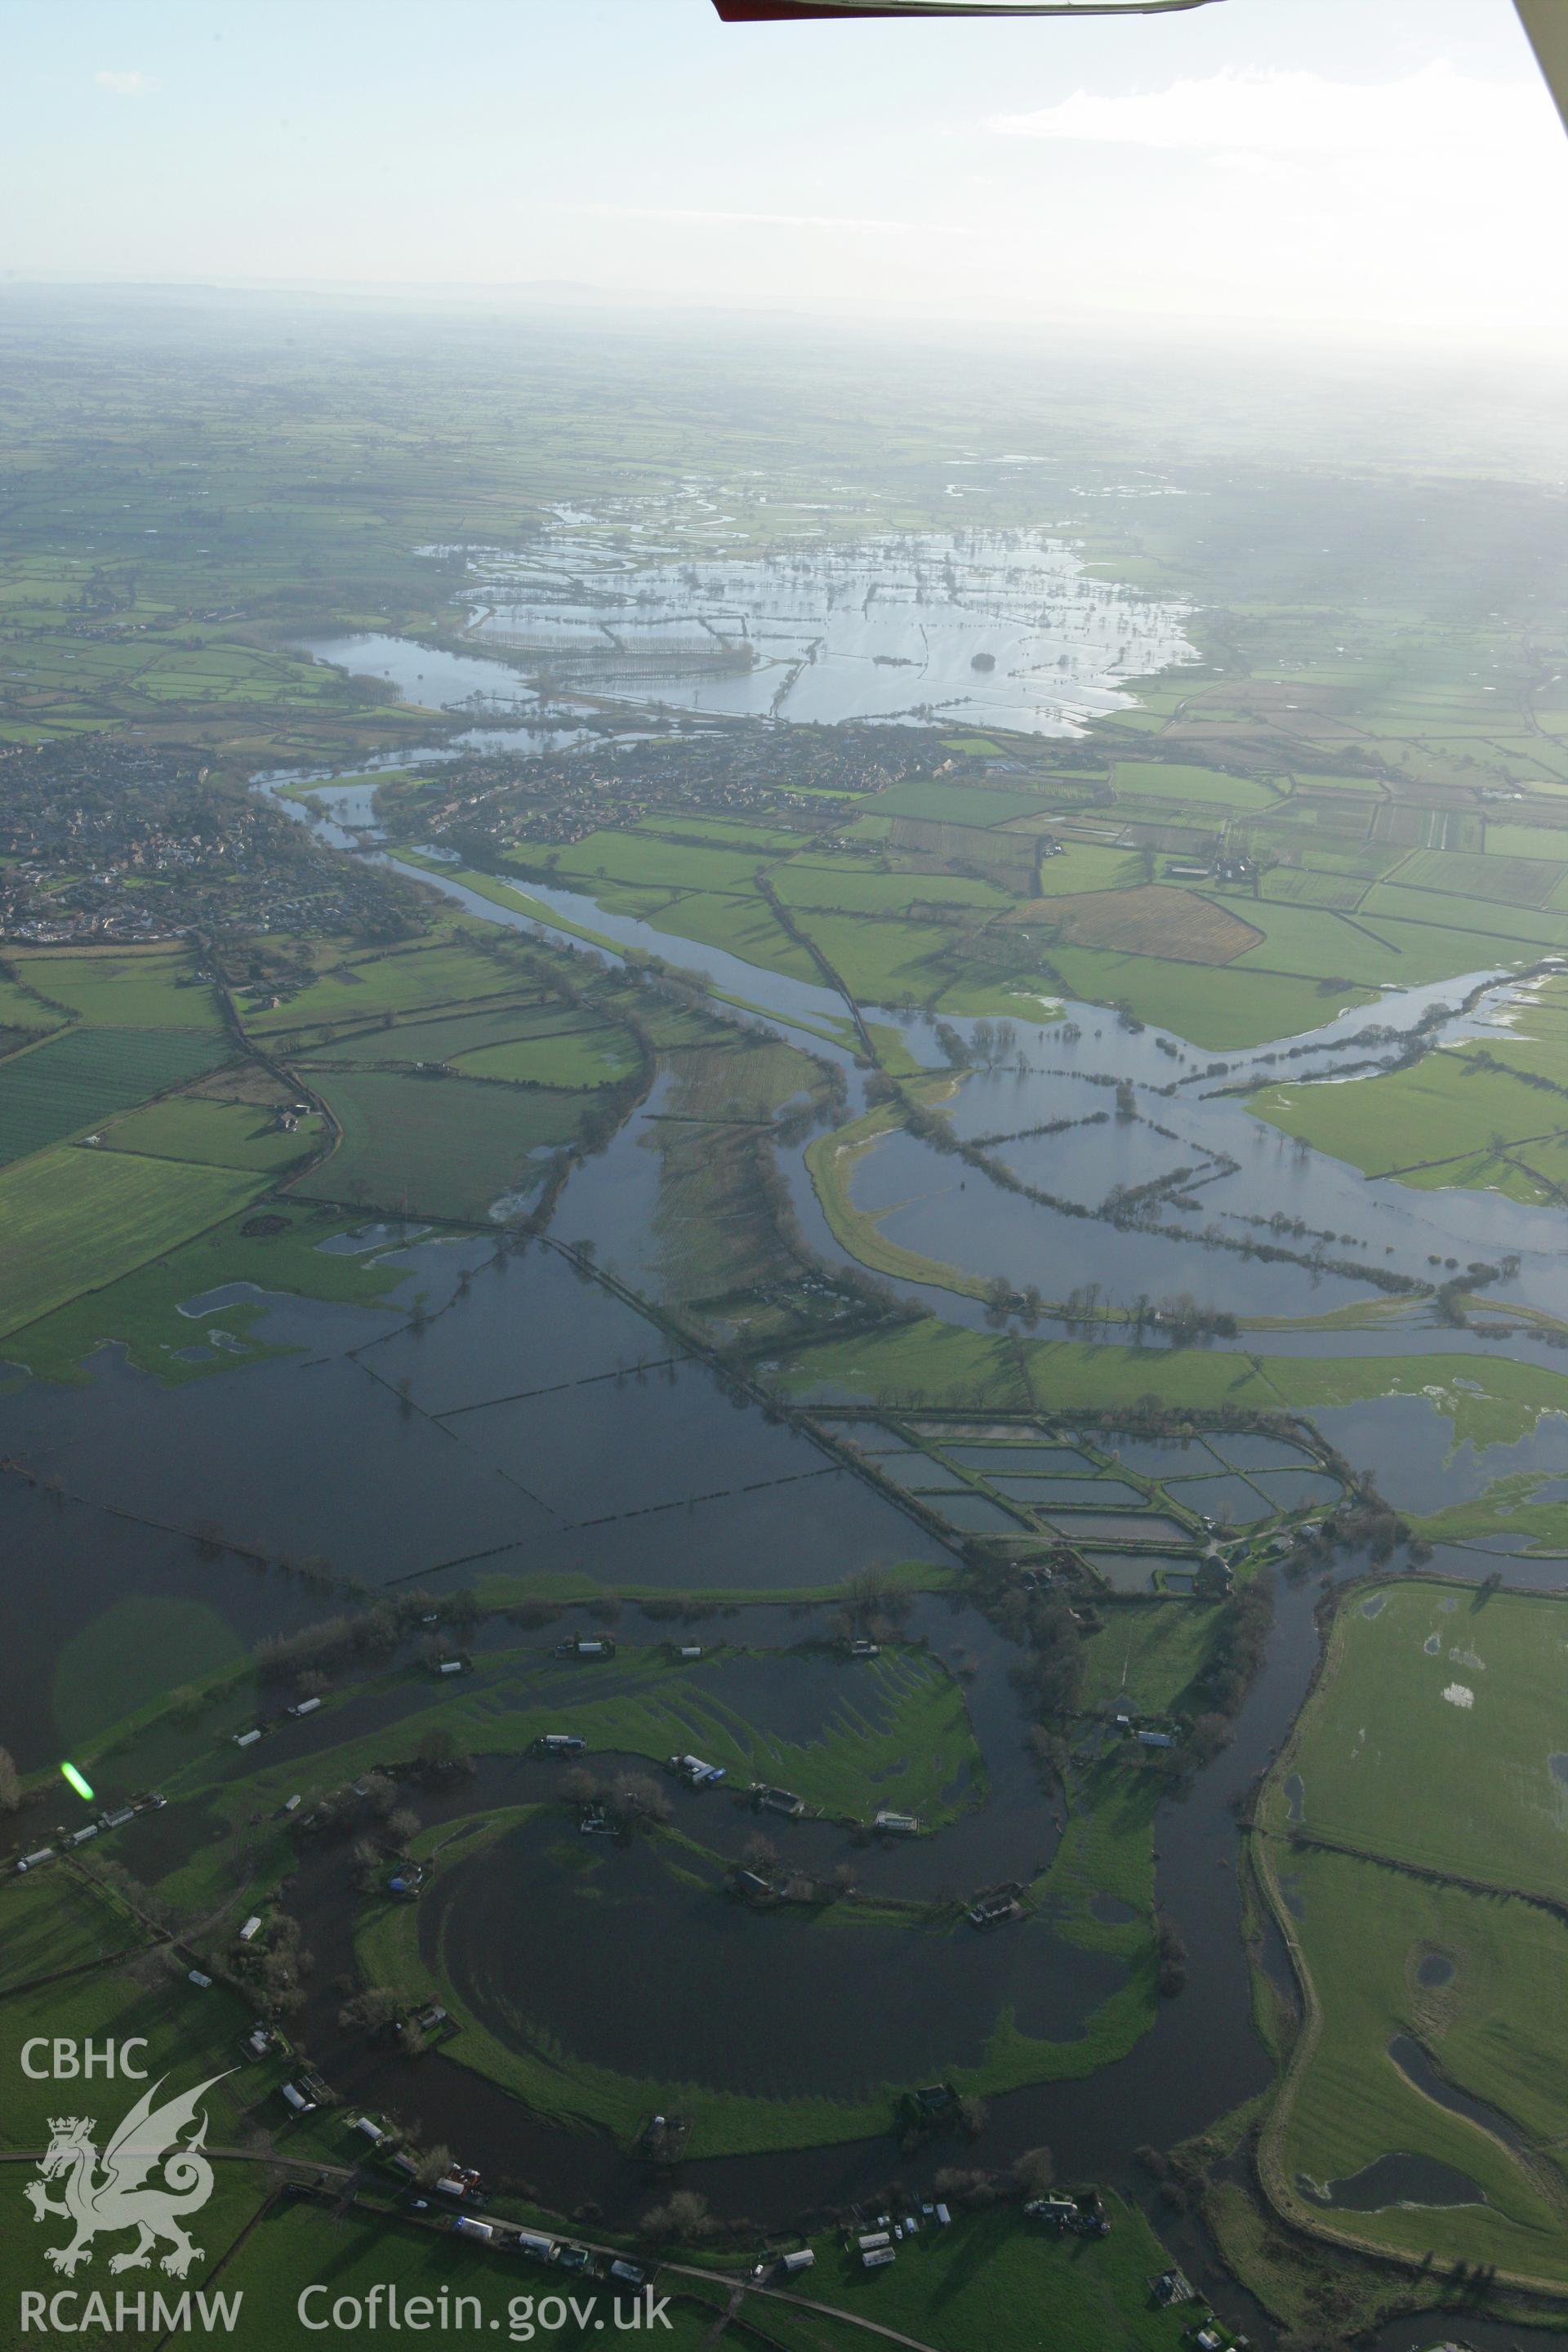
<point x="1354" y="167"/>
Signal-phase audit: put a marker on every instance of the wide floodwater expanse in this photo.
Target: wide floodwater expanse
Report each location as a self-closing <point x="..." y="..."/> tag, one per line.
<point x="983" y="628"/>
<point x="545" y="1429"/>
<point x="539" y="1426"/>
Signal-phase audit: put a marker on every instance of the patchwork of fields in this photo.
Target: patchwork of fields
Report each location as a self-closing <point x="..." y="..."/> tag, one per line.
<point x="449" y="1078"/>
<point x="1227" y="904"/>
<point x="76" y="1079"/>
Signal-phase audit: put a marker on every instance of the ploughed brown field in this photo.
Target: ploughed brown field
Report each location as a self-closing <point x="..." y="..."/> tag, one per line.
<point x="1153" y="921"/>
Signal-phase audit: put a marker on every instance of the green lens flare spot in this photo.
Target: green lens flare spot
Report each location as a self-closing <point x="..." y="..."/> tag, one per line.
<point x="78" y="1783"/>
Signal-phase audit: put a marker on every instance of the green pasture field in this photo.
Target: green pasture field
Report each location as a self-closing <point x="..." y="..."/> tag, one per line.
<point x="1431" y="1733"/>
<point x="446" y="1147"/>
<point x="984" y="804"/>
<point x="1219" y="1007"/>
<point x="744" y="927"/>
<point x="439" y="1039"/>
<point x="22" y="1013"/>
<point x="78" y="1079"/>
<point x="1108" y="1848"/>
<point x="131" y="1654"/>
<point x="707" y="827"/>
<point x="1361" y="1936"/>
<point x="76" y="1219"/>
<point x="988" y="2283"/>
<point x="882" y="961"/>
<point x="1489" y="875"/>
<point x="1298" y="887"/>
<point x="121" y="988"/>
<point x="140" y="1309"/>
<point x="1491" y="1400"/>
<point x="397" y="980"/>
<point x="1524" y="840"/>
<point x="1318" y="944"/>
<point x="720" y="919"/>
<point x="191" y="2034"/>
<point x="1428" y="1120"/>
<point x="239" y="2190"/>
<point x="1148" y="1654"/>
<point x="191" y="2037"/>
<point x="296" y="2246"/>
<point x="650" y="861"/>
<point x="587" y="1056"/>
<point x="1519" y="1171"/>
<point x="1547" y="1164"/>
<point x="55" y="1919"/>
<point x="1500" y="934"/>
<point x="842" y="887"/>
<point x="1534" y="1036"/>
<point x="1322" y="853"/>
<point x="220" y="1134"/>
<point x="1093" y="866"/>
<point x="1161" y="780"/>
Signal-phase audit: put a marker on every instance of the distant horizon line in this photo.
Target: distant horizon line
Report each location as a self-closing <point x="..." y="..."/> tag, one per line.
<point x="1273" y="335"/>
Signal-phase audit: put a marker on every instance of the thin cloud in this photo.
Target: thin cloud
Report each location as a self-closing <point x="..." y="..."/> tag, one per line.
<point x="764" y="220"/>
<point x="132" y="84"/>
<point x="1438" y="110"/>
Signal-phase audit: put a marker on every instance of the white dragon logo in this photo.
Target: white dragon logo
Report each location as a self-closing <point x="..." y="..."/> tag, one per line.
<point x="114" y="2198"/>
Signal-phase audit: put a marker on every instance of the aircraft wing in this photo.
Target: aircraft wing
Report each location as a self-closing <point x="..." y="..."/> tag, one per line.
<point x="1545" y="21"/>
<point x="772" y="12"/>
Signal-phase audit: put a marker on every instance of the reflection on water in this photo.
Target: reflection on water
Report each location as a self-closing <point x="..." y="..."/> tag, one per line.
<point x="999" y="628"/>
<point x="539" y="1939"/>
<point x="1250" y="1187"/>
<point x="423" y="675"/>
<point x="1399" y="2179"/>
<point x="1419" y="1465"/>
<point x="543" y="1430"/>
<point x="1415" y="2063"/>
